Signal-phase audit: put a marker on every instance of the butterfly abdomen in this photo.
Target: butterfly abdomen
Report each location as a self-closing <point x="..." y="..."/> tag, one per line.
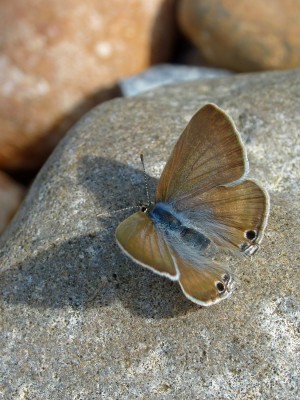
<point x="194" y="238"/>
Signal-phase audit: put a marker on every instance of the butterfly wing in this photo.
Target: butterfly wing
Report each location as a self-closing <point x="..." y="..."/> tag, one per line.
<point x="209" y="153"/>
<point x="140" y="240"/>
<point x="237" y="215"/>
<point x="204" y="179"/>
<point x="201" y="280"/>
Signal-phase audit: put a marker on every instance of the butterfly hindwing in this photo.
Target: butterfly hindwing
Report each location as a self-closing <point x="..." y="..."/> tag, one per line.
<point x="237" y="215"/>
<point x="204" y="282"/>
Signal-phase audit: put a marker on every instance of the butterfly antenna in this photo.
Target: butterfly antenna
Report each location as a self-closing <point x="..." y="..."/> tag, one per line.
<point x="131" y="207"/>
<point x="115" y="212"/>
<point x="145" y="178"/>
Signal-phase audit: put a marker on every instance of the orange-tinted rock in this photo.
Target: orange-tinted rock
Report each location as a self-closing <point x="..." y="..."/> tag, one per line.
<point x="60" y="58"/>
<point x="244" y="35"/>
<point x="11" y="195"/>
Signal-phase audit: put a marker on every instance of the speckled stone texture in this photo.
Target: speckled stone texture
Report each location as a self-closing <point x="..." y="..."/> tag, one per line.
<point x="79" y="320"/>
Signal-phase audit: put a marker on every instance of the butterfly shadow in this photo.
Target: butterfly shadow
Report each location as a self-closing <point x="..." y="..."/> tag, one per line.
<point x="139" y="289"/>
<point x="90" y="271"/>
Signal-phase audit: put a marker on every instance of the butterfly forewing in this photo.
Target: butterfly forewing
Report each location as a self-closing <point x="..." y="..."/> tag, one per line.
<point x="138" y="238"/>
<point x="208" y="153"/>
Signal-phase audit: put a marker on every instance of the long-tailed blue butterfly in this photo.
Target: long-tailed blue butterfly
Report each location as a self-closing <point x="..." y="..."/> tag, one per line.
<point x="202" y="202"/>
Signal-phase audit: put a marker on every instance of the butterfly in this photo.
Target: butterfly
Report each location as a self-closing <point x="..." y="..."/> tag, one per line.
<point x="203" y="203"/>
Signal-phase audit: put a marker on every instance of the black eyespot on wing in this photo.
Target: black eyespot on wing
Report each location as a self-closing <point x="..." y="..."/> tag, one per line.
<point x="226" y="278"/>
<point x="244" y="247"/>
<point x="248" y="249"/>
<point x="220" y="286"/>
<point x="250" y="235"/>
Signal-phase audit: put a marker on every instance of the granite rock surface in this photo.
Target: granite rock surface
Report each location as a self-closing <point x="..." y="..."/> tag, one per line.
<point x="79" y="320"/>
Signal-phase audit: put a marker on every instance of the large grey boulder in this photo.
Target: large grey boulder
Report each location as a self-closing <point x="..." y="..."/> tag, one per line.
<point x="79" y="320"/>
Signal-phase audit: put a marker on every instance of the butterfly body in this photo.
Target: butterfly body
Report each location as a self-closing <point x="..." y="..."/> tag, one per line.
<point x="203" y="202"/>
<point x="175" y="228"/>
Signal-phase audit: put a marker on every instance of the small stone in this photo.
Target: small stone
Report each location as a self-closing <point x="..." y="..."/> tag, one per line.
<point x="165" y="74"/>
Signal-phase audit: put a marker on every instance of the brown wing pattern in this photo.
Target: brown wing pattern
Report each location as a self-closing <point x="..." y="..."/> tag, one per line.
<point x="204" y="284"/>
<point x="209" y="153"/>
<point x="238" y="215"/>
<point x="139" y="239"/>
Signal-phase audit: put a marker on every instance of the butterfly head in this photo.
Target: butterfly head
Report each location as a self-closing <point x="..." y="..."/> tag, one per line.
<point x="145" y="207"/>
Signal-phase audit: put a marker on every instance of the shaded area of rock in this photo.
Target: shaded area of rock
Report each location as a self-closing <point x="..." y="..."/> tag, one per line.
<point x="59" y="59"/>
<point x="11" y="196"/>
<point x="243" y="36"/>
<point x="80" y="320"/>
